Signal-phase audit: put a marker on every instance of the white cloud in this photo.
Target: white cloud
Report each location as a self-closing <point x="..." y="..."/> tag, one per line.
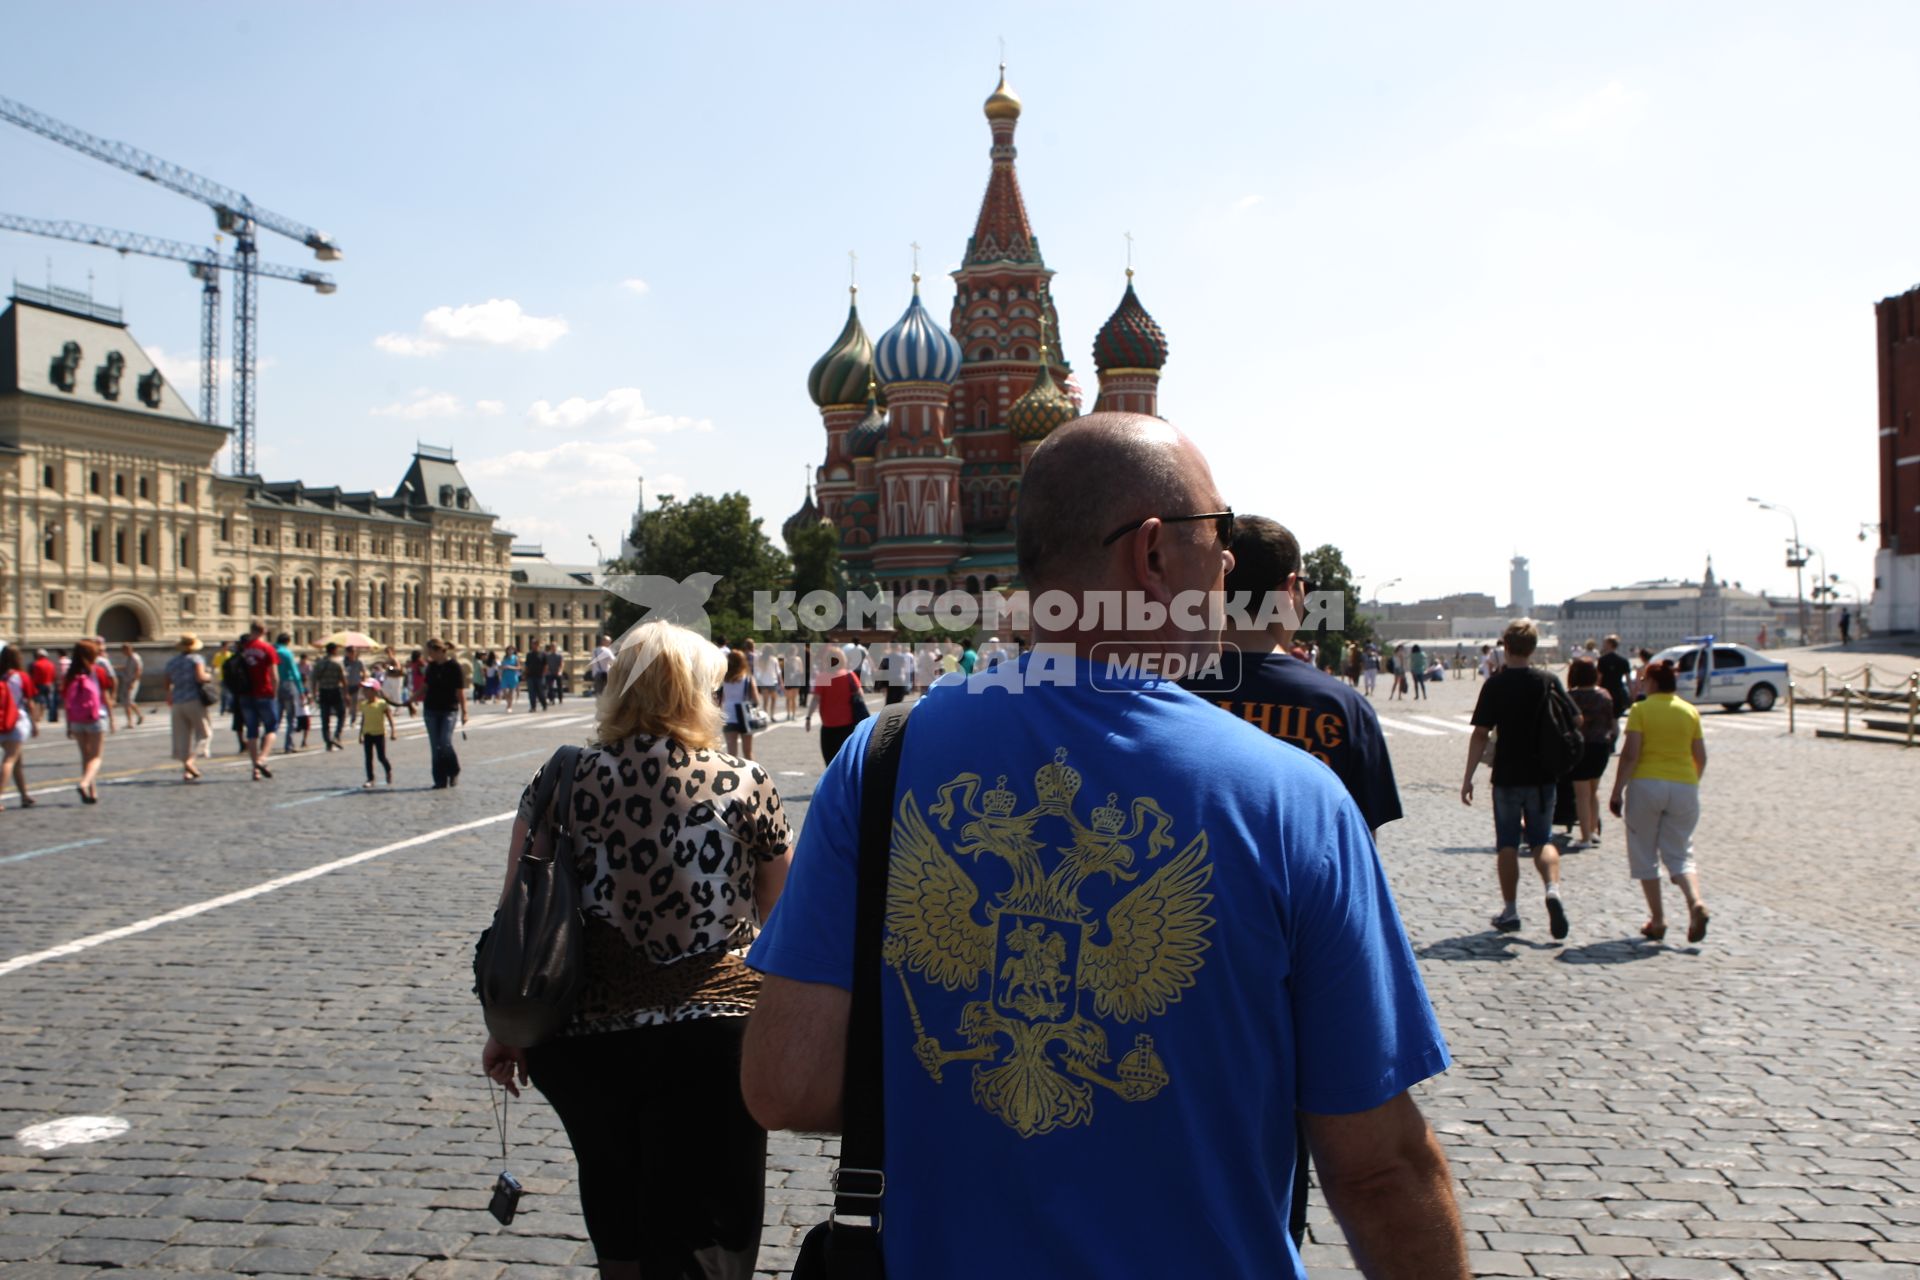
<point x="497" y="322"/>
<point x="405" y="344"/>
<point x="634" y="284"/>
<point x="621" y="410"/>
<point x="421" y="405"/>
<point x="489" y="408"/>
<point x="1247" y="202"/>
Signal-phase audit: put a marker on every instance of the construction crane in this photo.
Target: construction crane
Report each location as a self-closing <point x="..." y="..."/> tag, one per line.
<point x="235" y="215"/>
<point x="204" y="264"/>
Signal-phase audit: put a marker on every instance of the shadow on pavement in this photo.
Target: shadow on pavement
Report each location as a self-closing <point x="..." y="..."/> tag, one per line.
<point x="1484" y="945"/>
<point x="1616" y="951"/>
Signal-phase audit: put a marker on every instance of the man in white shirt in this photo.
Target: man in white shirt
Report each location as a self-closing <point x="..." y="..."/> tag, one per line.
<point x="600" y="664"/>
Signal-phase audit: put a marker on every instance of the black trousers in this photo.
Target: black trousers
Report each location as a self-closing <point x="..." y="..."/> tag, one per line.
<point x="371" y="744"/>
<point x="673" y="1170"/>
<point x="830" y="740"/>
<point x="333" y="714"/>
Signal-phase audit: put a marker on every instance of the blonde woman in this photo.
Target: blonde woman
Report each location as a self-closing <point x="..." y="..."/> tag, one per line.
<point x="682" y="850"/>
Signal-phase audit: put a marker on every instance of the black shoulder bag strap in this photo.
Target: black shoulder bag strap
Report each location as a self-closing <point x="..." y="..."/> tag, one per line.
<point x="860" y="1182"/>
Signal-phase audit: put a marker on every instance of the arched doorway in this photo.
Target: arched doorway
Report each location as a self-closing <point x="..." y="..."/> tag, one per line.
<point x="120" y="623"/>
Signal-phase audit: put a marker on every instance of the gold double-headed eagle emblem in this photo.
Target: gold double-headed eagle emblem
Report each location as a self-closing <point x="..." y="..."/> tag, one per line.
<point x="1054" y="970"/>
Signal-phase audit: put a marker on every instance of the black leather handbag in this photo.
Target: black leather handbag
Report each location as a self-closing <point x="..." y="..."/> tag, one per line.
<point x="530" y="964"/>
<point x="847" y="1245"/>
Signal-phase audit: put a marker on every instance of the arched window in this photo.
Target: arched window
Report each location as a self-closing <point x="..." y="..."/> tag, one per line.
<point x="973" y="584"/>
<point x="1022" y="353"/>
<point x="981" y="418"/>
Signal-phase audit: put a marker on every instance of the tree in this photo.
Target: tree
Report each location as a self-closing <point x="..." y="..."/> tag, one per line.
<point x="704" y="535"/>
<point x="816" y="564"/>
<point x="1326" y="570"/>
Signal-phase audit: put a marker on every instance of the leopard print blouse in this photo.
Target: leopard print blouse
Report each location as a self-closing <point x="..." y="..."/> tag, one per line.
<point x="668" y="841"/>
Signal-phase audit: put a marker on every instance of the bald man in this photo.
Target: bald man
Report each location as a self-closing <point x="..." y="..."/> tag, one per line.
<point x="1131" y="943"/>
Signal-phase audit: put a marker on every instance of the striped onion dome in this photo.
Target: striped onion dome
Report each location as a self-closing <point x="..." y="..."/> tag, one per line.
<point x="1130" y="339"/>
<point x="841" y="375"/>
<point x="1044" y="407"/>
<point x="916" y="349"/>
<point x="865" y="438"/>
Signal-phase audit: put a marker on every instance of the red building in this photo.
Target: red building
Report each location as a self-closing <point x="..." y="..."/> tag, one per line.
<point x="1896" y="568"/>
<point x="929" y="428"/>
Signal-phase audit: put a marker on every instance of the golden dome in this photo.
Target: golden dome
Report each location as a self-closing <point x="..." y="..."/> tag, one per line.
<point x="1005" y="103"/>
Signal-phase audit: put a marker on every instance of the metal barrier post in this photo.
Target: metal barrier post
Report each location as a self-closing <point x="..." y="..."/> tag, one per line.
<point x="1823" y="684"/>
<point x="1846" y="711"/>
<point x="1791" y="689"/>
<point x="1867" y="689"/>
<point x="1913" y="703"/>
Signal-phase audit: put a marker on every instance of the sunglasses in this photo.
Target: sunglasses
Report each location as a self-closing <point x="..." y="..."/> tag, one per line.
<point x="1222" y="523"/>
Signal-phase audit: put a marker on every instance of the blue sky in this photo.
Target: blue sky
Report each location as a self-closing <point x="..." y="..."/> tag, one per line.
<point x="1439" y="285"/>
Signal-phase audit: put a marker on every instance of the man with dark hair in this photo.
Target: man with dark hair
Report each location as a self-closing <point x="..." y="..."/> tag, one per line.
<point x="1277" y="693"/>
<point x="1615" y="670"/>
<point x="1106" y="900"/>
<point x="533" y="674"/>
<point x="329" y="687"/>
<point x="260" y="708"/>
<point x="1512" y="702"/>
<point x="292" y="691"/>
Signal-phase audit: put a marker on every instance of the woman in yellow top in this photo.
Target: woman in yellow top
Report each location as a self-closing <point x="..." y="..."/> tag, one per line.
<point x="1659" y="779"/>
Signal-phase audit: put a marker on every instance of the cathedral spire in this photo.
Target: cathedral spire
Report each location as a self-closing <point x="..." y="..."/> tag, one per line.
<point x="1002" y="232"/>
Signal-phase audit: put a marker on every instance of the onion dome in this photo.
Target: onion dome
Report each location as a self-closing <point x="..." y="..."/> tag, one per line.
<point x="916" y="349"/>
<point x="1044" y="407"/>
<point x="841" y="375"/>
<point x="1130" y="339"/>
<point x="807" y="516"/>
<point x="1004" y="104"/>
<point x="865" y="438"/>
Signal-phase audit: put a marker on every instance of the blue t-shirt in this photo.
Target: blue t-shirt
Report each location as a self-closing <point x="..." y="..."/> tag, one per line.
<point x="290" y="669"/>
<point x="1325" y="717"/>
<point x="1126" y="936"/>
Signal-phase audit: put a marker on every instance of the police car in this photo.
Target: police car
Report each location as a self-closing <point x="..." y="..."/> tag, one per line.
<point x="1735" y="676"/>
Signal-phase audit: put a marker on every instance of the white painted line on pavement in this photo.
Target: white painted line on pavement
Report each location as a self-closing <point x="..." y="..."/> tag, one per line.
<point x="52" y="848"/>
<point x="331" y="795"/>
<point x="1410" y="727"/>
<point x="240" y="895"/>
<point x="1445" y="724"/>
<point x="515" y="756"/>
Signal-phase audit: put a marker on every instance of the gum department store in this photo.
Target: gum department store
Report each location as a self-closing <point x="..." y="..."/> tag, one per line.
<point x="113" y="521"/>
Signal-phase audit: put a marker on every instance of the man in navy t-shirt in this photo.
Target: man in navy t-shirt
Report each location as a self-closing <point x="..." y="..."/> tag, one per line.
<point x="1131" y="943"/>
<point x="1260" y="682"/>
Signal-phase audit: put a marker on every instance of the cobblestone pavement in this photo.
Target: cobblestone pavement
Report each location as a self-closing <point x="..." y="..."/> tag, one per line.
<point x="298" y="1067"/>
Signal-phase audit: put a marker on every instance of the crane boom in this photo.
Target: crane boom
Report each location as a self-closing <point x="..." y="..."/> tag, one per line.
<point x="156" y="247"/>
<point x="225" y="201"/>
<point x="205" y="264"/>
<point x="233" y="212"/>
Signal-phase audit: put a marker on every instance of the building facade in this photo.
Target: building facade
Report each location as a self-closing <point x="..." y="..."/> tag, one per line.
<point x="1654" y="615"/>
<point x="1896" y="565"/>
<point x="928" y="429"/>
<point x="113" y="521"/>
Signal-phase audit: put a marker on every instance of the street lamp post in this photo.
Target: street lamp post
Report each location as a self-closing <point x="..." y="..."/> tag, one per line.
<point x="1390" y="582"/>
<point x="1796" y="560"/>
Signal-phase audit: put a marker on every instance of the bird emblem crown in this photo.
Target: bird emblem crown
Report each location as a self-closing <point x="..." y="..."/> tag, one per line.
<point x="1057" y="783"/>
<point x="1108" y="818"/>
<point x="999" y="802"/>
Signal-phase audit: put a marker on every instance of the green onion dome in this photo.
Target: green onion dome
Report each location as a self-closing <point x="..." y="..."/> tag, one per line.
<point x="1044" y="407"/>
<point x="842" y="374"/>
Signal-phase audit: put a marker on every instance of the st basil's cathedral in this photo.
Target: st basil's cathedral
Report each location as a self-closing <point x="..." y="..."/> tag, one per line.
<point x="929" y="429"/>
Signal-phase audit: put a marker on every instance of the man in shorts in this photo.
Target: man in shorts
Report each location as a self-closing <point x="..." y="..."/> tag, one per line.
<point x="1512" y="702"/>
<point x="260" y="706"/>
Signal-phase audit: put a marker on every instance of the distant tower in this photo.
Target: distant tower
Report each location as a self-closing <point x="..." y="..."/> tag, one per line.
<point x="1044" y="406"/>
<point x="629" y="547"/>
<point x="917" y="470"/>
<point x="1520" y="588"/>
<point x="841" y="387"/>
<point x="1129" y="352"/>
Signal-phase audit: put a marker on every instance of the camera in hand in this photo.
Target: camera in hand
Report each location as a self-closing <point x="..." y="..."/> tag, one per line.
<point x="506" y="1198"/>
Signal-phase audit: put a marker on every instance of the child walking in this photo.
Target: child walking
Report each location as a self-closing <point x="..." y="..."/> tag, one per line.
<point x="376" y="722"/>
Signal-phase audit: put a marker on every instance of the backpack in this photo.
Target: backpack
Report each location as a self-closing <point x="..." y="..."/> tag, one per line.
<point x="1557" y="732"/>
<point x="9" y="707"/>
<point x="233" y="674"/>
<point x="83" y="700"/>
